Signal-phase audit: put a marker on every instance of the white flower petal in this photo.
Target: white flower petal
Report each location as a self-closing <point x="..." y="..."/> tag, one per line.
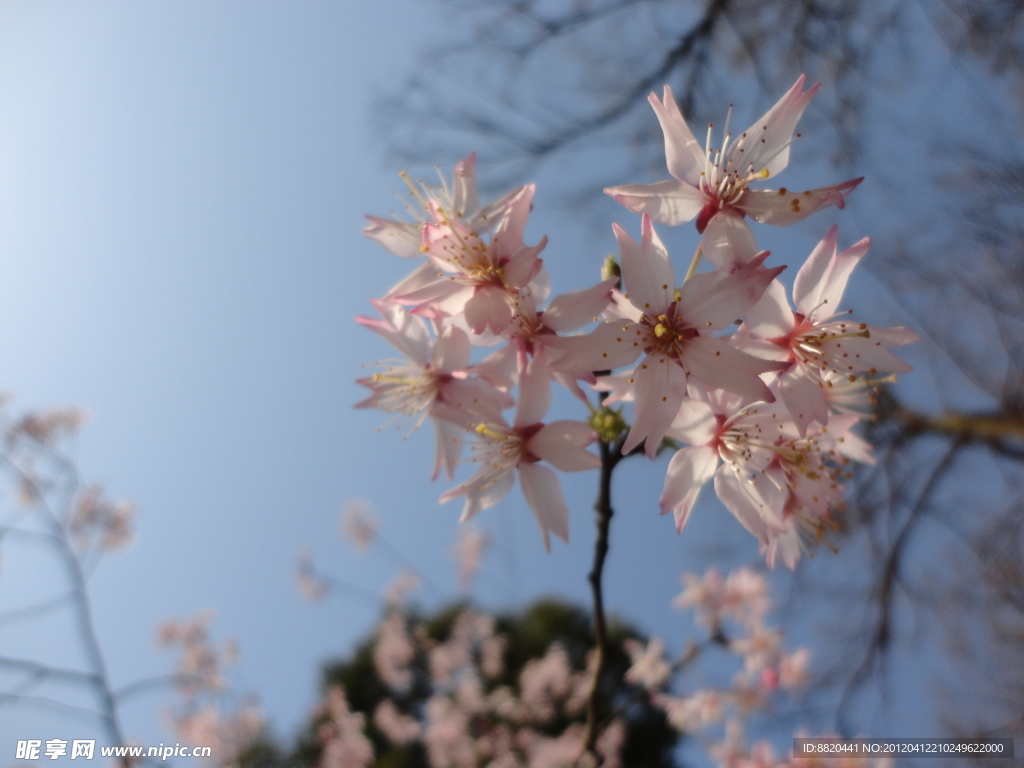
<point x="689" y="469"/>
<point x="667" y="202"/>
<point x="544" y="495"/>
<point x="561" y="444"/>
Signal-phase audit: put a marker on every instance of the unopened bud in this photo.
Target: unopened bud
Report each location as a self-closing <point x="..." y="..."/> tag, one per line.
<point x="608" y="424"/>
<point x="610" y="268"/>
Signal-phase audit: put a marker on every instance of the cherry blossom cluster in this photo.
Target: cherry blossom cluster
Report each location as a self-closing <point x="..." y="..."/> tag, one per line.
<point x="205" y="715"/>
<point x="733" y="609"/>
<point x="470" y="719"/>
<point x="764" y="394"/>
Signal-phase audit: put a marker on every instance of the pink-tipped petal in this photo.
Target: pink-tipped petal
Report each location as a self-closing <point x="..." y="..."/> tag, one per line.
<point x="488" y="308"/>
<point x="544" y="495"/>
<point x="712" y="301"/>
<point x="768" y="139"/>
<point x="822" y="301"/>
<point x="685" y="157"/>
<point x="570" y="311"/>
<point x="562" y="443"/>
<point x="452" y="350"/>
<point x="771" y="317"/>
<point x="689" y="469"/>
<point x="782" y="207"/>
<point x="714" y="363"/>
<point x="812" y="273"/>
<point x="800" y="391"/>
<point x="660" y="389"/>
<point x="728" y="241"/>
<point x="534" y="393"/>
<point x="667" y="202"/>
<point x="524" y="266"/>
<point x="646" y="270"/>
<point x="507" y="239"/>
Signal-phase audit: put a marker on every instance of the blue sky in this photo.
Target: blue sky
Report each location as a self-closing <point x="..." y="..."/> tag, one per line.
<point x="182" y="188"/>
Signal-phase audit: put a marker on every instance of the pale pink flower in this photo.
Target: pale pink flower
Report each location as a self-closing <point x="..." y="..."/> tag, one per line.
<point x="458" y="200"/>
<point x="359" y="524"/>
<point x="759" y="647"/>
<point x="672" y="328"/>
<point x="731" y="442"/>
<point x="712" y="184"/>
<point x="199" y="667"/>
<point x="398" y="728"/>
<point x="742" y="595"/>
<point x="447" y="734"/>
<point x="434" y="381"/>
<point x="342" y="736"/>
<point x="477" y="278"/>
<point x="818" y="340"/>
<point x="534" y="331"/>
<point x="470" y="545"/>
<point x="649" y="668"/>
<point x="503" y="450"/>
<point x="404" y="584"/>
<point x="544" y="682"/>
<point x="692" y="712"/>
<point x="228" y="734"/>
<point x="394" y="652"/>
<point x="311" y="585"/>
<point x="97" y="521"/>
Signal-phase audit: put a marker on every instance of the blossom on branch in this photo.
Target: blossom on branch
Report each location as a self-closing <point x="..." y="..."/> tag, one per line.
<point x="711" y="184"/>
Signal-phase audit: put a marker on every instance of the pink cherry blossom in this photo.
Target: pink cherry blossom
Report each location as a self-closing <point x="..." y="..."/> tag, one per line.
<point x="502" y="450"/>
<point x="712" y="184"/>
<point x="672" y="328"/>
<point x="434" y="381"/>
<point x="818" y="341"/>
<point x="649" y="667"/>
<point x="458" y="201"/>
<point x="478" y="278"/>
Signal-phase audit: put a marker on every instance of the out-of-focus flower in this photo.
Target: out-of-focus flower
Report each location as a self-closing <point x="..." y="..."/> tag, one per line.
<point x="649" y="666"/>
<point x="470" y="545"/>
<point x="97" y="521"/>
<point x="311" y="585"/>
<point x="401" y="586"/>
<point x="394" y="652"/>
<point x="359" y="524"/>
<point x="342" y="734"/>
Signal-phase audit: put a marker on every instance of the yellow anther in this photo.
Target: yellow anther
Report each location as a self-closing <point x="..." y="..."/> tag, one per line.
<point x="660" y="330"/>
<point x="764" y="173"/>
<point x="484" y="430"/>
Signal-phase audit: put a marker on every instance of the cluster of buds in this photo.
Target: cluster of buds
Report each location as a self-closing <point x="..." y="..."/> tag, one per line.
<point x="764" y="396"/>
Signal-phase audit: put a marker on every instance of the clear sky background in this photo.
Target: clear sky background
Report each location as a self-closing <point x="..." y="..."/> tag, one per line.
<point x="182" y="188"/>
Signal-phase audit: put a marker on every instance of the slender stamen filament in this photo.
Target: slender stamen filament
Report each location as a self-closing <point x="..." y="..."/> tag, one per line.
<point x="412" y="188"/>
